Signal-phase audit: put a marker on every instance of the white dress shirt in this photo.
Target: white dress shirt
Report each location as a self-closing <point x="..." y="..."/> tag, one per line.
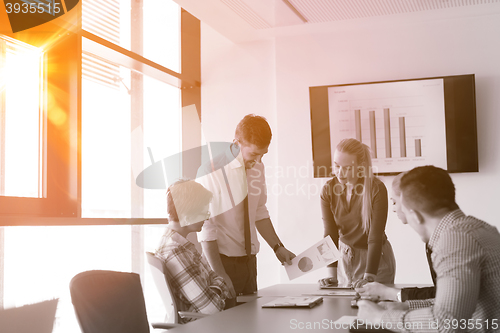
<point x="229" y="184"/>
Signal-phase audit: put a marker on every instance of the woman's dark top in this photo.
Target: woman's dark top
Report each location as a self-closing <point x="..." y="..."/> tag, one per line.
<point x="343" y="221"/>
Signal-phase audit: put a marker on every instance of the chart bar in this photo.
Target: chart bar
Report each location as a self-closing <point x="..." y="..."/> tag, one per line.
<point x="373" y="134"/>
<point x="387" y="132"/>
<point x="418" y="147"/>
<point x="402" y="137"/>
<point x="357" y="122"/>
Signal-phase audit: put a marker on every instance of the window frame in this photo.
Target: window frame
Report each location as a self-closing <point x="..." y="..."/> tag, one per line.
<point x="62" y="206"/>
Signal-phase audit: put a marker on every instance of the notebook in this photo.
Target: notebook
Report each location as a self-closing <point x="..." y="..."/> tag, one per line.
<point x="38" y="317"/>
<point x="294" y="302"/>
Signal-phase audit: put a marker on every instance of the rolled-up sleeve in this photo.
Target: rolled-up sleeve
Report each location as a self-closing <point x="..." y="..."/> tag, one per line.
<point x="190" y="283"/>
<point x="218" y="282"/>
<point x="208" y="232"/>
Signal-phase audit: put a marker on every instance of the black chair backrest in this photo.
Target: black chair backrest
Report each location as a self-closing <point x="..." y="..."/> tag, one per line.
<point x="109" y="302"/>
<point x="158" y="271"/>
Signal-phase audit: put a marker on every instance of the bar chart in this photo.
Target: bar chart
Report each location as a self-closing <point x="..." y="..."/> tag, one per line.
<point x="402" y="123"/>
<point x="380" y="136"/>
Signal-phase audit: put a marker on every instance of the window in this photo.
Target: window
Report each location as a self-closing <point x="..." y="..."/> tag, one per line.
<point x="21" y="119"/>
<point x="106" y="140"/>
<point x="108" y="135"/>
<point x="39" y="127"/>
<point x="108" y="105"/>
<point x="159" y="37"/>
<point x="82" y="76"/>
<point x="143" y="106"/>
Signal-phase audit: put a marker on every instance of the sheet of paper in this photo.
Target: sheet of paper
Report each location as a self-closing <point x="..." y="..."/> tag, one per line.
<point x="293" y="301"/>
<point x="319" y="255"/>
<point x="326" y="292"/>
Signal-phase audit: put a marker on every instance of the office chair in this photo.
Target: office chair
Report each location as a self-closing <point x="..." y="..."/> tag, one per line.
<point x="110" y="302"/>
<point x="159" y="272"/>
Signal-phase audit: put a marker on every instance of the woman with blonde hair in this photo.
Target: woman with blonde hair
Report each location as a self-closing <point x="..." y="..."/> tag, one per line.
<point x="354" y="207"/>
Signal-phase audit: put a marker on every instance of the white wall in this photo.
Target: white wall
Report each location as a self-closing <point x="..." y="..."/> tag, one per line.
<point x="272" y="78"/>
<point x="238" y="79"/>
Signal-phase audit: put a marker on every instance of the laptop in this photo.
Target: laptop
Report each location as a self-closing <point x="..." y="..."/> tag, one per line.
<point x="31" y="318"/>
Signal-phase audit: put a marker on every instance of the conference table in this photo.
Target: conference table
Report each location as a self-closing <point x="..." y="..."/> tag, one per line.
<point x="250" y="317"/>
<point x="290" y="289"/>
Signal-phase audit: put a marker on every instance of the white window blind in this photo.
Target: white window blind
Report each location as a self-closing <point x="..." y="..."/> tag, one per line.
<point x="102" y="18"/>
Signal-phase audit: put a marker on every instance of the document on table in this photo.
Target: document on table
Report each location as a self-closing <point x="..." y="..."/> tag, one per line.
<point x="319" y="255"/>
<point x="294" y="302"/>
<point x="329" y="292"/>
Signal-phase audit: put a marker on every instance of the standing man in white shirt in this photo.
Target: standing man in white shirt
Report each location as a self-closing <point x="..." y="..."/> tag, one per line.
<point x="229" y="246"/>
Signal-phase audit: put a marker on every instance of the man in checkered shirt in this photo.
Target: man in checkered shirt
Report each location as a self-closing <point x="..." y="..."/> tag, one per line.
<point x="196" y="287"/>
<point x="465" y="256"/>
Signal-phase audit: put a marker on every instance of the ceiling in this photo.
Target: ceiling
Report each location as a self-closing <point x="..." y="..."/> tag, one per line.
<point x="264" y="14"/>
<point x="251" y="19"/>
